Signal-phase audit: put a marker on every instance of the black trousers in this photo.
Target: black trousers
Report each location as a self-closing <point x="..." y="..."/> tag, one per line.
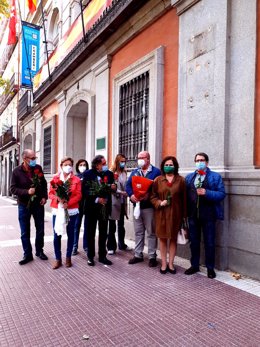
<point x="96" y="217"/>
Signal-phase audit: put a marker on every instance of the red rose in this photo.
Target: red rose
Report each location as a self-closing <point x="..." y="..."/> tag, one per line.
<point x="105" y="179"/>
<point x="40" y="174"/>
<point x="116" y="176"/>
<point x="169" y="184"/>
<point x="36" y="171"/>
<point x="201" y="172"/>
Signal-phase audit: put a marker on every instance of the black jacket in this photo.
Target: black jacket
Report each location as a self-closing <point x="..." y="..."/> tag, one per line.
<point x="90" y="176"/>
<point x="22" y="181"/>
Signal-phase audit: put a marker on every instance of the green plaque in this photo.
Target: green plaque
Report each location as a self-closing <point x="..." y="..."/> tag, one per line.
<point x="101" y="143"/>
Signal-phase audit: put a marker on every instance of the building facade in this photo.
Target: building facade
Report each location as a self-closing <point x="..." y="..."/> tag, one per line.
<point x="172" y="77"/>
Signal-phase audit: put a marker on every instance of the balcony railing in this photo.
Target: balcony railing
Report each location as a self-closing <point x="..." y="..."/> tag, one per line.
<point x="8" y="138"/>
<point x="25" y="105"/>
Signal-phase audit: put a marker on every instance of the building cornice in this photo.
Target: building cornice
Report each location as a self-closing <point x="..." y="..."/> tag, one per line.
<point x="107" y="24"/>
<point x="183" y="5"/>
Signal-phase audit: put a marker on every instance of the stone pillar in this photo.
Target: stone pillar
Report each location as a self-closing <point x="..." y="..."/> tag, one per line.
<point x="101" y="72"/>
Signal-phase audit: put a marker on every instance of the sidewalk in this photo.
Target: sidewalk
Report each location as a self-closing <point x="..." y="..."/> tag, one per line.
<point x="121" y="305"/>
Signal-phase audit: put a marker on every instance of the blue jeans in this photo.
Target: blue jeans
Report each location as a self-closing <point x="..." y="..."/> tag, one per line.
<point x="24" y="216"/>
<point x="70" y="234"/>
<point x="77" y="231"/>
<point x="207" y="227"/>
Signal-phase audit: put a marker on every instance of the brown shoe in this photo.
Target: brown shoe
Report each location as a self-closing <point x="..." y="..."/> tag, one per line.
<point x="68" y="262"/>
<point x="56" y="264"/>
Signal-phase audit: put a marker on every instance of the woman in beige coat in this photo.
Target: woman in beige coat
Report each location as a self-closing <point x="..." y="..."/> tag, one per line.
<point x="118" y="210"/>
<point x="169" y="199"/>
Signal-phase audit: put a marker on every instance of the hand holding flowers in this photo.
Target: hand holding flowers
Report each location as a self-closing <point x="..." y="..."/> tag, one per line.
<point x="37" y="175"/>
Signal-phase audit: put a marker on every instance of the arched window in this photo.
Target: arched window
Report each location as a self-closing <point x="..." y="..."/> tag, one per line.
<point x="28" y="142"/>
<point x="53" y="35"/>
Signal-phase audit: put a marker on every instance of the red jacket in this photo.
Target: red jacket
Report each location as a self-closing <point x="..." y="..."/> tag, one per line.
<point x="75" y="189"/>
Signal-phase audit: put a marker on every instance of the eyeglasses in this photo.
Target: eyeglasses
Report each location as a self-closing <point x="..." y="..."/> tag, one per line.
<point x="200" y="160"/>
<point x="142" y="158"/>
<point x="168" y="165"/>
<point x="33" y="158"/>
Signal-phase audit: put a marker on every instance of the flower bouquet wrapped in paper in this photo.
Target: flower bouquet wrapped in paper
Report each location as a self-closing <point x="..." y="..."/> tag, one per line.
<point x="141" y="186"/>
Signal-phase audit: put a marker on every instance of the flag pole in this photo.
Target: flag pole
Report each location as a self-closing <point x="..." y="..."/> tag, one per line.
<point x="45" y="41"/>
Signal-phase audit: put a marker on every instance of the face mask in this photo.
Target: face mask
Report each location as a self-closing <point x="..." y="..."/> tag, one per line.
<point x="82" y="169"/>
<point x="122" y="165"/>
<point x="168" y="169"/>
<point x="104" y="168"/>
<point x="201" y="165"/>
<point x="32" y="163"/>
<point x="140" y="163"/>
<point x="67" y="169"/>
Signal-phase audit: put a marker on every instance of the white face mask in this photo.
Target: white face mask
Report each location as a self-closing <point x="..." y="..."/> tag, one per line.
<point x="67" y="169"/>
<point x="82" y="169"/>
<point x="140" y="163"/>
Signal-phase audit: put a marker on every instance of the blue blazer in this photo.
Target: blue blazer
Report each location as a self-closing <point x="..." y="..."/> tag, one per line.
<point x="211" y="207"/>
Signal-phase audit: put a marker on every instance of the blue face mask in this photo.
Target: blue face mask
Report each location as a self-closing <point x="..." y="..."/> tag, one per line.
<point x="104" y="168"/>
<point x="122" y="165"/>
<point x="32" y="163"/>
<point x="201" y="165"/>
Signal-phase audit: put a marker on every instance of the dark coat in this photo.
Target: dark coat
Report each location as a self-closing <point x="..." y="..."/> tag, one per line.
<point x="90" y="205"/>
<point x="21" y="182"/>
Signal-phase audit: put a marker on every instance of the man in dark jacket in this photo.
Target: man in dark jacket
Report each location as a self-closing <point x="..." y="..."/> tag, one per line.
<point x="146" y="219"/>
<point x="30" y="187"/>
<point x="205" y="191"/>
<point x="96" y="192"/>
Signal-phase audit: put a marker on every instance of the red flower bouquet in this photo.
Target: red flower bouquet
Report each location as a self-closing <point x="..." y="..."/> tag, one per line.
<point x="62" y="191"/>
<point x="36" y="182"/>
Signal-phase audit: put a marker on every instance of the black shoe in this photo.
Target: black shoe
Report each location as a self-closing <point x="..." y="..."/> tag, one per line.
<point x="105" y="261"/>
<point x="91" y="262"/>
<point x="192" y="270"/>
<point x="41" y="255"/>
<point x="172" y="271"/>
<point x="75" y="251"/>
<point x="153" y="262"/>
<point x="135" y="260"/>
<point x="26" y="260"/>
<point x="211" y="273"/>
<point x="163" y="272"/>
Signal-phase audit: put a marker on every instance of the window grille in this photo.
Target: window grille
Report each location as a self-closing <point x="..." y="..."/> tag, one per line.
<point x="47" y="150"/>
<point x="134" y="117"/>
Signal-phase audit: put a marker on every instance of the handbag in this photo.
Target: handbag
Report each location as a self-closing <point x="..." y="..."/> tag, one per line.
<point x="182" y="237"/>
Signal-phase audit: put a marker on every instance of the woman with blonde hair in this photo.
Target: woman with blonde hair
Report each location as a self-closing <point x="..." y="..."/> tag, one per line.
<point x="118" y="212"/>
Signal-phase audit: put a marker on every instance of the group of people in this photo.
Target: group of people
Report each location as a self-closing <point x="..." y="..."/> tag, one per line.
<point x="164" y="202"/>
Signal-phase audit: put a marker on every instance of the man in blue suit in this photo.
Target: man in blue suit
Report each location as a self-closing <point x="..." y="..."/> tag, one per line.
<point x="205" y="191"/>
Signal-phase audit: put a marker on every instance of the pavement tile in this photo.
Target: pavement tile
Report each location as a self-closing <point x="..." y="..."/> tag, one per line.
<point x="119" y="305"/>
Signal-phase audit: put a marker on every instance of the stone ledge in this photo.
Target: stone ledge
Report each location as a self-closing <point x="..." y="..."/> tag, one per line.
<point x="183" y="5"/>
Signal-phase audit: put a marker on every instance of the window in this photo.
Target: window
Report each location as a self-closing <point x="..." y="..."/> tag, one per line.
<point x="47" y="149"/>
<point x="138" y="108"/>
<point x="134" y="117"/>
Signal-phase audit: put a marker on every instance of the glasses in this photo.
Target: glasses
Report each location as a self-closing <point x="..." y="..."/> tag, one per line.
<point x="32" y="158"/>
<point x="200" y="160"/>
<point x="168" y="165"/>
<point x="141" y="157"/>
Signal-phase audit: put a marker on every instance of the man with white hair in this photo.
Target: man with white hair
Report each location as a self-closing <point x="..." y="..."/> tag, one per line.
<point x="145" y="222"/>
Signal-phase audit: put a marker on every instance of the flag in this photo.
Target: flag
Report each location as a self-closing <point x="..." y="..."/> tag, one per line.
<point x="12" y="24"/>
<point x="32" y="5"/>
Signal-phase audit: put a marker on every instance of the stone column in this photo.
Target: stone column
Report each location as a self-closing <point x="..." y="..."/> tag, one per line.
<point x="101" y="72"/>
